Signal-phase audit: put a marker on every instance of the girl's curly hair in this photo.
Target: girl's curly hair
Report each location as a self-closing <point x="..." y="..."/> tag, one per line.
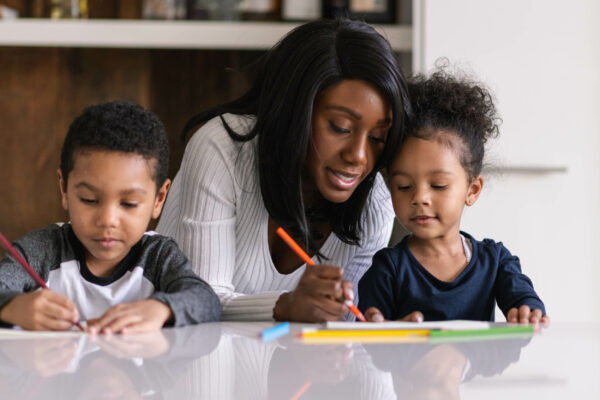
<point x="455" y="106"/>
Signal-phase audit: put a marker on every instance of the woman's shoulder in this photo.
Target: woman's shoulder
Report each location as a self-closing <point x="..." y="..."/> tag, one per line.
<point x="380" y="201"/>
<point x="213" y="133"/>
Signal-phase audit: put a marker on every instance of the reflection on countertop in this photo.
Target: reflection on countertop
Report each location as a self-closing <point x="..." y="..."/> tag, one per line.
<point x="229" y="361"/>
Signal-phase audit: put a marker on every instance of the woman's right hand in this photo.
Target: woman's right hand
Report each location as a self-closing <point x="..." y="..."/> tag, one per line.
<point x="318" y="297"/>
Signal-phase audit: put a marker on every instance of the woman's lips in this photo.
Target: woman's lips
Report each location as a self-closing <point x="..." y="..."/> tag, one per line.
<point x="343" y="180"/>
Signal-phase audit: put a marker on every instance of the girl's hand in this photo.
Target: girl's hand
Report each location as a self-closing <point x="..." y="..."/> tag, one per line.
<point x="135" y="317"/>
<point x="524" y="315"/>
<point x="374" y="315"/>
<point x="42" y="310"/>
<point x="316" y="298"/>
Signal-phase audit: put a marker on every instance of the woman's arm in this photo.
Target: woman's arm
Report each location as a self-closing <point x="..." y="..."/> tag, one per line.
<point x="200" y="213"/>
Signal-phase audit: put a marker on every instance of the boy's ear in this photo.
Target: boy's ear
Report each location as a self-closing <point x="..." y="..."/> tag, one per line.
<point x="475" y="188"/>
<point x="63" y="190"/>
<point x="161" y="196"/>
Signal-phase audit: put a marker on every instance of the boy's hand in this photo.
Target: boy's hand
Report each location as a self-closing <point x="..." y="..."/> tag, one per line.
<point x="138" y="316"/>
<point x="524" y="315"/>
<point x="42" y="310"/>
<point x="374" y="315"/>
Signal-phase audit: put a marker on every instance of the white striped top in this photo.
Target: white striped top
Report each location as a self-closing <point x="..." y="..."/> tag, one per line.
<point x="216" y="213"/>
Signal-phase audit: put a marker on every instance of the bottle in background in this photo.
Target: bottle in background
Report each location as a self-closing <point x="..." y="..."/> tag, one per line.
<point x="68" y="9"/>
<point x="300" y="10"/>
<point x="373" y="11"/>
<point x="260" y="10"/>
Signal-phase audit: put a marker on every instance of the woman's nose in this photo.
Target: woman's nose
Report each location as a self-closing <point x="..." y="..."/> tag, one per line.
<point x="356" y="152"/>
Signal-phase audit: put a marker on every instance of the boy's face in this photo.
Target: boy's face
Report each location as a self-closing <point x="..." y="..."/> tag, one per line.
<point x="430" y="187"/>
<point x="110" y="197"/>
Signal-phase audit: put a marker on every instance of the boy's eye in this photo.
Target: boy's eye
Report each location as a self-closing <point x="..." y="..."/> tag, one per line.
<point x="129" y="205"/>
<point x="439" y="187"/>
<point x="88" y="201"/>
<point x="338" y="129"/>
<point x="403" y="188"/>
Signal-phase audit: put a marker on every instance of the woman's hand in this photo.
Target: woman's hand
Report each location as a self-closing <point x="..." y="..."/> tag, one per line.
<point x="318" y="297"/>
<point x="374" y="315"/>
<point x="525" y="315"/>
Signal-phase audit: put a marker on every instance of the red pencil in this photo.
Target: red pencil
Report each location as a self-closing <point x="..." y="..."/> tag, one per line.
<point x="302" y="254"/>
<point x="17" y="256"/>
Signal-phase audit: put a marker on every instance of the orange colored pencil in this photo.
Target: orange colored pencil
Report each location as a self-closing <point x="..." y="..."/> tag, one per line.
<point x="302" y="254"/>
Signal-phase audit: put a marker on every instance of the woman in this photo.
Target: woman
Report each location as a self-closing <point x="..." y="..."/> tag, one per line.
<point x="302" y="150"/>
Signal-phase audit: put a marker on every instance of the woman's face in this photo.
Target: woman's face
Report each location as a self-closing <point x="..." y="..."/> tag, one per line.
<point x="350" y="125"/>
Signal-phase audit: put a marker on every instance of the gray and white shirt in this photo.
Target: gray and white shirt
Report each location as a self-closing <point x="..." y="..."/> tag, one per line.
<point x="154" y="268"/>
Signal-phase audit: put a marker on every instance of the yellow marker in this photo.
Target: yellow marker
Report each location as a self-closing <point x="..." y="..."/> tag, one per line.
<point x="365" y="336"/>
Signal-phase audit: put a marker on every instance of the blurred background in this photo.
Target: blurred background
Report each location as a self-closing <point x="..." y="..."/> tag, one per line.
<point x="541" y="58"/>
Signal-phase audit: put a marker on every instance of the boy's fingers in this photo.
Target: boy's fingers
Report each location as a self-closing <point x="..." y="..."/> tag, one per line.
<point x="374" y="315"/>
<point x="545" y="320"/>
<point x="524" y="312"/>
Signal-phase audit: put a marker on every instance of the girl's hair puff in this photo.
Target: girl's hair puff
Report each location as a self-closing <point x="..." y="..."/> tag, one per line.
<point x="454" y="105"/>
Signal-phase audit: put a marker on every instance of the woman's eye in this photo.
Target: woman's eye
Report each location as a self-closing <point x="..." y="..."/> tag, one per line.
<point x="376" y="139"/>
<point x="338" y="129"/>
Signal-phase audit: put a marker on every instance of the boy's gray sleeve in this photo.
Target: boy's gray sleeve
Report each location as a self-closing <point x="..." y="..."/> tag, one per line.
<point x="190" y="298"/>
<point x="14" y="280"/>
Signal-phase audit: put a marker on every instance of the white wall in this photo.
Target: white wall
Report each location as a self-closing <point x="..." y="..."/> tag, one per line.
<point x="541" y="58"/>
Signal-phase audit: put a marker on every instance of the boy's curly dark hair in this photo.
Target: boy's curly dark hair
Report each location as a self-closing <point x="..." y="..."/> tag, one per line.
<point x="118" y="126"/>
<point x="459" y="107"/>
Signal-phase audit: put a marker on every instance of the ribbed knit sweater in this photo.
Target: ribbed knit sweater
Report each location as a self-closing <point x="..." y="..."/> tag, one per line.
<point x="216" y="213"/>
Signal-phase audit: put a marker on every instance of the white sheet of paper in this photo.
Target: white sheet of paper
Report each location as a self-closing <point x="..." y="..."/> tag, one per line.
<point x="391" y="325"/>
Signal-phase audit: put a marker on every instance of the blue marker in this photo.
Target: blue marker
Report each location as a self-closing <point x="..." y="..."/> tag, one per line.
<point x="276" y="331"/>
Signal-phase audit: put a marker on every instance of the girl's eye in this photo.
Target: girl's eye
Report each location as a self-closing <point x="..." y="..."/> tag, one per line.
<point x="439" y="187"/>
<point x="129" y="205"/>
<point x="338" y="129"/>
<point x="88" y="201"/>
<point x="403" y="188"/>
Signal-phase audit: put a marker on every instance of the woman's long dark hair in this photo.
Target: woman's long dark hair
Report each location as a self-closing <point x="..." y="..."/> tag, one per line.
<point x="309" y="59"/>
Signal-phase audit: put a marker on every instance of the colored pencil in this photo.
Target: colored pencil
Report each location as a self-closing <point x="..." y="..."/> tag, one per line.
<point x="275" y="332"/>
<point x="302" y="254"/>
<point x="17" y="256"/>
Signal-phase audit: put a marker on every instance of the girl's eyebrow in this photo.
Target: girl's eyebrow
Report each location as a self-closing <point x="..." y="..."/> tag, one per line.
<point x="435" y="172"/>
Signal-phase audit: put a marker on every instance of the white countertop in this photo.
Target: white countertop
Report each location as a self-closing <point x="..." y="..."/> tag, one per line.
<point x="229" y="361"/>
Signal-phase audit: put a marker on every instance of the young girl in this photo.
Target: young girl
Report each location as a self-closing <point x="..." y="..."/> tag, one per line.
<point x="439" y="272"/>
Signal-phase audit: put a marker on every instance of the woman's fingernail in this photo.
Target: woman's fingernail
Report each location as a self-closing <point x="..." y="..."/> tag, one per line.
<point x="351" y="294"/>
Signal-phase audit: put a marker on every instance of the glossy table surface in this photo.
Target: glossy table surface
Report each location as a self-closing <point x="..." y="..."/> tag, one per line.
<point x="230" y="361"/>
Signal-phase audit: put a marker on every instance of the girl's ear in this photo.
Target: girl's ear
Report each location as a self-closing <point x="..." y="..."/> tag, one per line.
<point x="475" y="188"/>
<point x="63" y="190"/>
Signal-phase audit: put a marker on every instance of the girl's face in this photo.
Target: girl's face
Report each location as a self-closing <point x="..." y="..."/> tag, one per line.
<point x="430" y="187"/>
<point x="350" y="124"/>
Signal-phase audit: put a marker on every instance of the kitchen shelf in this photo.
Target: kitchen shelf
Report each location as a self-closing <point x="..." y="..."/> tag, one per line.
<point x="163" y="34"/>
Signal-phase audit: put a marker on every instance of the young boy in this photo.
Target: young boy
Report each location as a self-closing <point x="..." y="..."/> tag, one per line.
<point x="439" y="272"/>
<point x="102" y="267"/>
